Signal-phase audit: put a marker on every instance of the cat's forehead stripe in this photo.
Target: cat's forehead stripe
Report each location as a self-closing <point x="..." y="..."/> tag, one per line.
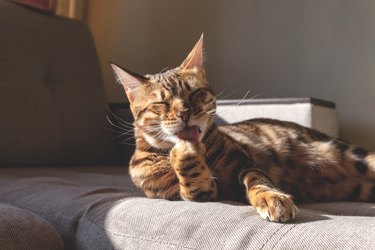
<point x="175" y="88"/>
<point x="163" y="77"/>
<point x="162" y="94"/>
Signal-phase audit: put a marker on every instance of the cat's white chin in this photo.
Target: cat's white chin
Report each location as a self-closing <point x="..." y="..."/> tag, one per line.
<point x="171" y="138"/>
<point x="167" y="143"/>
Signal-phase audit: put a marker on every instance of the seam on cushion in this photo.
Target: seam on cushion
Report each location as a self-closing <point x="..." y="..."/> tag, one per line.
<point x="287" y="231"/>
<point x="116" y="201"/>
<point x="140" y="238"/>
<point x="274" y="233"/>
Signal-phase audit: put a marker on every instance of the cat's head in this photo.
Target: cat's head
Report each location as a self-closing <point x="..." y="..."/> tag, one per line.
<point x="173" y="105"/>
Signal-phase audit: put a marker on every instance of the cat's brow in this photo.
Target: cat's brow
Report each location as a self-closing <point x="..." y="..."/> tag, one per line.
<point x="141" y="112"/>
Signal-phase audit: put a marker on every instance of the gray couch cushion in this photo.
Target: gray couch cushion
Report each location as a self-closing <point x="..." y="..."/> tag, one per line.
<point x="99" y="208"/>
<point x="21" y="229"/>
<point x="52" y="102"/>
<point x="62" y="196"/>
<point x="157" y="224"/>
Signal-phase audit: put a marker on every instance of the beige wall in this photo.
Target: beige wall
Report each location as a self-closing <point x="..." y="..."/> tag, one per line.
<point x="320" y="48"/>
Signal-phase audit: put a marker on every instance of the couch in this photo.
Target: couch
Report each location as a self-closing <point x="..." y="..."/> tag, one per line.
<point x="63" y="176"/>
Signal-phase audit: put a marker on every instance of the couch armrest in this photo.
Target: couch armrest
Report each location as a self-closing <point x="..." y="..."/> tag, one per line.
<point x="309" y="112"/>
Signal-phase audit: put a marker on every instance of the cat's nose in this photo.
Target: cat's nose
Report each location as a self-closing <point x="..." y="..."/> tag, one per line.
<point x="184" y="114"/>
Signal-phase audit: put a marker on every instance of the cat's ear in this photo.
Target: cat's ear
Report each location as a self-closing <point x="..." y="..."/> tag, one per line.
<point x="129" y="80"/>
<point x="195" y="58"/>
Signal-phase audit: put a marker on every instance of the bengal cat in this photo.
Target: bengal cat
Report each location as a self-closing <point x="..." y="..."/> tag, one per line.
<point x="181" y="154"/>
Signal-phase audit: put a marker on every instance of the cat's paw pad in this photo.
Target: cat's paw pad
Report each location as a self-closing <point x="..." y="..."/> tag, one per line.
<point x="276" y="207"/>
<point x="186" y="149"/>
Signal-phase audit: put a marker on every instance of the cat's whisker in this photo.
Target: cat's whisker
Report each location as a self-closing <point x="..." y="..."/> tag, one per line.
<point x="220" y="94"/>
<point x="117" y="126"/>
<point x="123" y="123"/>
<point x="152" y="126"/>
<point x="118" y="119"/>
<point x="129" y="144"/>
<point x="230" y="94"/>
<point x="127" y="139"/>
<point x="119" y="132"/>
<point x="151" y="129"/>
<point x="159" y="135"/>
<point x="250" y="98"/>
<point x="126" y="130"/>
<point x="237" y="104"/>
<point x="243" y="98"/>
<point x="130" y="133"/>
<point x="123" y="134"/>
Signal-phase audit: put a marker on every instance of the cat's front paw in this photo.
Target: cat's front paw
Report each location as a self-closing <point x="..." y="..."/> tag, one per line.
<point x="196" y="182"/>
<point x="276" y="207"/>
<point x="186" y="150"/>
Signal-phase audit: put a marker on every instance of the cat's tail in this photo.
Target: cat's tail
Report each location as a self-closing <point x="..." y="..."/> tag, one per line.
<point x="361" y="164"/>
<point x="369" y="161"/>
<point x="368" y="191"/>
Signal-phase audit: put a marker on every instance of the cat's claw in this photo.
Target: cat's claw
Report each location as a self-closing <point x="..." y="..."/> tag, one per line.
<point x="276" y="207"/>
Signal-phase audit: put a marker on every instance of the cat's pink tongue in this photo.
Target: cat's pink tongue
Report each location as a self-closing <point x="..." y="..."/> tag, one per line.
<point x="189" y="133"/>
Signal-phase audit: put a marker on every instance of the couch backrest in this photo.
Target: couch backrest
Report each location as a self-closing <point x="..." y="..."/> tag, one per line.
<point x="52" y="102"/>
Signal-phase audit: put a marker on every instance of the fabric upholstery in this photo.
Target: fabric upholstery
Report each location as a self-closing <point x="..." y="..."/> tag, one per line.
<point x="61" y="196"/>
<point x="21" y="229"/>
<point x="52" y="102"/>
<point x="99" y="208"/>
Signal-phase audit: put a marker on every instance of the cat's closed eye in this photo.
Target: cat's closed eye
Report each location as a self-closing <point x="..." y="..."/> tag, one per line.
<point x="165" y="104"/>
<point x="159" y="107"/>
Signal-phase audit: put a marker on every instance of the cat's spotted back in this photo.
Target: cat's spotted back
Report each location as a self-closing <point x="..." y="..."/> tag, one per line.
<point x="181" y="154"/>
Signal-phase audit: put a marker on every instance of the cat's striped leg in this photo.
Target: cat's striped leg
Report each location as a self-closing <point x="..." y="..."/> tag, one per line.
<point x="152" y="173"/>
<point x="195" y="178"/>
<point x="268" y="201"/>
